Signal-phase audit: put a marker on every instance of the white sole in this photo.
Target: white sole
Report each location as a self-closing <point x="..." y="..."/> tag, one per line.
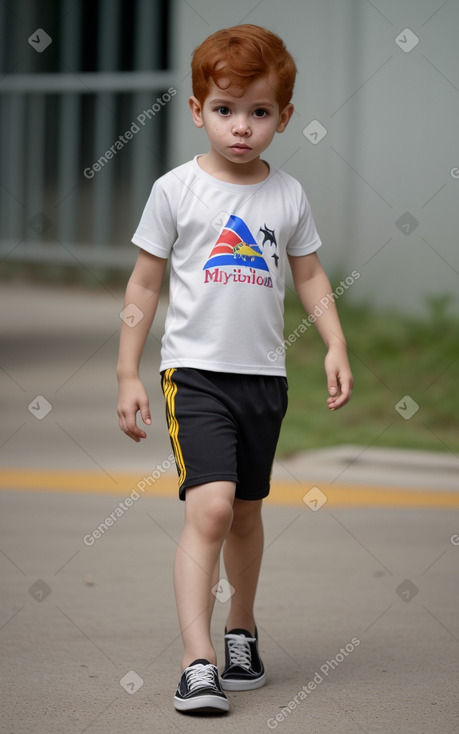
<point x="210" y="703"/>
<point x="242" y="685"/>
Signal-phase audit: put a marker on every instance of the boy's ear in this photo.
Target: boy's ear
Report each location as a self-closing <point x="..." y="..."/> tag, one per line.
<point x="284" y="117"/>
<point x="196" y="111"/>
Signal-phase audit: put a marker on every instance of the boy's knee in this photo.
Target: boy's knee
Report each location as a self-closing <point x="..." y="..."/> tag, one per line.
<point x="221" y="509"/>
<point x="246" y="517"/>
<point x="215" y="518"/>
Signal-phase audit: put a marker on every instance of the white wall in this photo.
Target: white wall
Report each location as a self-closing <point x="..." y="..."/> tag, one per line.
<point x="391" y="142"/>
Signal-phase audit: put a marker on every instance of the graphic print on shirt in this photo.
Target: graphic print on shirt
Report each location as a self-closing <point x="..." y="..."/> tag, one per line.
<point x="270" y="237"/>
<point x="237" y="247"/>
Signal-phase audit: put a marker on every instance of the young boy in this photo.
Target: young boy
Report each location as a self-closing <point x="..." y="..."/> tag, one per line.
<point x="228" y="221"/>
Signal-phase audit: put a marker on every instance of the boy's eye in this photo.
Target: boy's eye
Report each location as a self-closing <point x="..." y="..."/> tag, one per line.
<point x="222" y="110"/>
<point x="260" y="113"/>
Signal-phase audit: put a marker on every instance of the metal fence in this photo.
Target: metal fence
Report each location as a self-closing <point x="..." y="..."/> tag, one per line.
<point x="85" y="91"/>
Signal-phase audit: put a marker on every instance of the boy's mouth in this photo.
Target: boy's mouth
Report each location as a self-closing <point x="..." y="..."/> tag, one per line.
<point x="240" y="147"/>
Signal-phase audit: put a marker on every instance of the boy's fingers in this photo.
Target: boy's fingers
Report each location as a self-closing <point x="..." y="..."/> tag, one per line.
<point x="135" y="433"/>
<point x="134" y="429"/>
<point x="145" y="413"/>
<point x="333" y="382"/>
<point x="128" y="424"/>
<point x="346" y="386"/>
<point x="341" y="395"/>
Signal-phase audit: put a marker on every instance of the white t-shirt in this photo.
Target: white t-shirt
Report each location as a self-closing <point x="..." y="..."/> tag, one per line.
<point x="227" y="243"/>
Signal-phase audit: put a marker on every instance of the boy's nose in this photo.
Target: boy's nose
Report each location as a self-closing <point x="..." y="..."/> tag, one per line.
<point x="241" y="126"/>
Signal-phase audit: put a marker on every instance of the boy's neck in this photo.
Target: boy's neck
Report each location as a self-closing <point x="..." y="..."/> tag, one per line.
<point x="236" y="173"/>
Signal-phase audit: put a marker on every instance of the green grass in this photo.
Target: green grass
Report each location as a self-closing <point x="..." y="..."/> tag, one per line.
<point x="391" y="356"/>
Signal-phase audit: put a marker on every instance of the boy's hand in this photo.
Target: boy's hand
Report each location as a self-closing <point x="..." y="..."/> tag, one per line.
<point x="339" y="377"/>
<point x="132" y="397"/>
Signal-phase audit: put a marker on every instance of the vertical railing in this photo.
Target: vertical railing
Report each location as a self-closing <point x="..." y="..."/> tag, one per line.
<point x="69" y="134"/>
<point x="105" y="121"/>
<point x="146" y="57"/>
<point x="54" y="124"/>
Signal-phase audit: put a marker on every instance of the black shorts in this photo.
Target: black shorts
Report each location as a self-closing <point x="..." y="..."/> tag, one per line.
<point x="224" y="427"/>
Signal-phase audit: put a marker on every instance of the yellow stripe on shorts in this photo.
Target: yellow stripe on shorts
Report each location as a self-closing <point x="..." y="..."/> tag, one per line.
<point x="170" y="391"/>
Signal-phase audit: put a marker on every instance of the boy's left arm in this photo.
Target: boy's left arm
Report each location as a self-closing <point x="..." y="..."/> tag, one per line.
<point x="312" y="285"/>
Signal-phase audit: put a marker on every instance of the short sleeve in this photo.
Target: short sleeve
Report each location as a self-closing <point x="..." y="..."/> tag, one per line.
<point x="157" y="229"/>
<point x="305" y="239"/>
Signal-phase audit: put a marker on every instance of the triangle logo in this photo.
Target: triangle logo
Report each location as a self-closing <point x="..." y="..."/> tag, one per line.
<point x="236" y="245"/>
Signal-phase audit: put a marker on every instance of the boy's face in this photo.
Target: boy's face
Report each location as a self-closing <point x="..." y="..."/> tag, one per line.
<point x="240" y="128"/>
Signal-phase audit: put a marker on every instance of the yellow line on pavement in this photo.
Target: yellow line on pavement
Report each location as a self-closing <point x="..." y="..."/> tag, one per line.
<point x="282" y="492"/>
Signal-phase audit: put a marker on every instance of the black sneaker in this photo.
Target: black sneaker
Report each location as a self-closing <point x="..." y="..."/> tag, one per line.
<point x="243" y="667"/>
<point x="199" y="689"/>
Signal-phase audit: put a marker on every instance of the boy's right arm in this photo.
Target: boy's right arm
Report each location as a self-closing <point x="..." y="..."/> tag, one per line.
<point x="143" y="291"/>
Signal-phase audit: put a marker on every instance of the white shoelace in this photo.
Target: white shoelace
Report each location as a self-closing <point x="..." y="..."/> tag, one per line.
<point x="239" y="650"/>
<point x="200" y="676"/>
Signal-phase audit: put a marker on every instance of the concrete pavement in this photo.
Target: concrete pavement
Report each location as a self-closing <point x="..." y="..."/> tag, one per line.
<point x="356" y="610"/>
<point x="357" y="603"/>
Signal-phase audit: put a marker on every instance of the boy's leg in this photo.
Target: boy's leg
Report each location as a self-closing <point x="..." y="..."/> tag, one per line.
<point x="242" y="555"/>
<point x="208" y="518"/>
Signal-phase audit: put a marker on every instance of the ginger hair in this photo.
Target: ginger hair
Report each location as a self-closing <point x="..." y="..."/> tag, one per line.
<point x="237" y="56"/>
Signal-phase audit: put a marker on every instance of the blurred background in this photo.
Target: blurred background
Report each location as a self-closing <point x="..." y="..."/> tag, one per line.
<point x="93" y="108"/>
<point x="93" y="105"/>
